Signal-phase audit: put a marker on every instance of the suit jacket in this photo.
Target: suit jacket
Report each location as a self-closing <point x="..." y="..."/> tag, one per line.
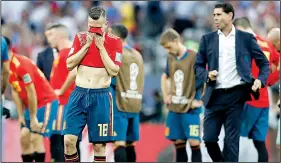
<point x="45" y="61"/>
<point x="246" y="49"/>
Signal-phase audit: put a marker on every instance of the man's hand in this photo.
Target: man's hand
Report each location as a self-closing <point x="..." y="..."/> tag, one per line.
<point x="168" y="99"/>
<point x="58" y="92"/>
<point x="21" y="120"/>
<point x="34" y="125"/>
<point x="196" y="104"/>
<point x="99" y="40"/>
<point x="90" y="38"/>
<point x="256" y="85"/>
<point x="213" y="75"/>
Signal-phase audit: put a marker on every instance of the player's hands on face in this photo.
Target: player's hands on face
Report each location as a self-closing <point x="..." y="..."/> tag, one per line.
<point x="168" y="99"/>
<point x="35" y="125"/>
<point x="90" y="38"/>
<point x="196" y="104"/>
<point x="21" y="120"/>
<point x="256" y="85"/>
<point x="213" y="75"/>
<point x="58" y="92"/>
<point x="99" y="40"/>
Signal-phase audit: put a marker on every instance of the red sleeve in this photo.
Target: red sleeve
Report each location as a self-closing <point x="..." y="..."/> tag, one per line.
<point x="24" y="75"/>
<point x="76" y="46"/>
<point x="116" y="53"/>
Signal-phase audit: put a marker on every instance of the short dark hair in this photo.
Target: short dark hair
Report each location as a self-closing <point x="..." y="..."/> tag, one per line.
<point x="8" y="41"/>
<point x="226" y="7"/>
<point x="243" y="22"/>
<point x="120" y="30"/>
<point x="54" y="25"/>
<point x="96" y="12"/>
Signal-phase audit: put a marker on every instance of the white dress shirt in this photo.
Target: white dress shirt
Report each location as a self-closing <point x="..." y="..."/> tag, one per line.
<point x="228" y="76"/>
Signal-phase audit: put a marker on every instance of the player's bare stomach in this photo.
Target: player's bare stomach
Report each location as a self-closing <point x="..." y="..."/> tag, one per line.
<point x="93" y="78"/>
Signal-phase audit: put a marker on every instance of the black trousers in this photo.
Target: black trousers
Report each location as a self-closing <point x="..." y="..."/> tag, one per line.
<point x="225" y="108"/>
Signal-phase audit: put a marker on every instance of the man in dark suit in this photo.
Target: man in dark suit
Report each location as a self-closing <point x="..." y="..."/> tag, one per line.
<point x="228" y="54"/>
<point x="46" y="57"/>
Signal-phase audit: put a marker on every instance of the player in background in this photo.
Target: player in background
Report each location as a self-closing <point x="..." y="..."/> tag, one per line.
<point x="36" y="103"/>
<point x="4" y="80"/>
<point x="62" y="82"/>
<point x="127" y="89"/>
<point x="273" y="36"/>
<point x="256" y="112"/>
<point x="182" y="97"/>
<point x="97" y="56"/>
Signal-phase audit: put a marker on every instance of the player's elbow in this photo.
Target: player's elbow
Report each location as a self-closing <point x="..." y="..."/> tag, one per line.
<point x="114" y="72"/>
<point x="69" y="64"/>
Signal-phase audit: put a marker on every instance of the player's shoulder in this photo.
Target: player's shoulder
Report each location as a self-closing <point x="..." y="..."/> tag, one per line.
<point x="82" y="36"/>
<point x="112" y="37"/>
<point x="191" y="52"/>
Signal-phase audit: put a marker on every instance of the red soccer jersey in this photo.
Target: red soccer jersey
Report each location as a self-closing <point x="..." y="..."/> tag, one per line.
<point x="59" y="74"/>
<point x="273" y="56"/>
<point x="24" y="72"/>
<point x="112" y="44"/>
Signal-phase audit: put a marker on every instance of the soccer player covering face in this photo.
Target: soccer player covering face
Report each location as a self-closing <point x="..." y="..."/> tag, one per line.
<point x="127" y="88"/>
<point x="256" y="112"/>
<point x="97" y="54"/>
<point x="62" y="82"/>
<point x="182" y="97"/>
<point x="36" y="105"/>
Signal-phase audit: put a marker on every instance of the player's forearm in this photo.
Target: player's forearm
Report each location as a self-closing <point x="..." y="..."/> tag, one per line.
<point x="18" y="102"/>
<point x="110" y="66"/>
<point x="32" y="100"/>
<point x="69" y="80"/>
<point x="76" y="58"/>
<point x="164" y="85"/>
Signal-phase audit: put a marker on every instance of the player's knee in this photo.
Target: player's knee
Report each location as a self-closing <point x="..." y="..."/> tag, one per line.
<point x="25" y="137"/>
<point x="130" y="143"/>
<point x="70" y="142"/>
<point x="194" y="142"/>
<point x="99" y="148"/>
<point x="38" y="143"/>
<point x="119" y="143"/>
<point x="179" y="142"/>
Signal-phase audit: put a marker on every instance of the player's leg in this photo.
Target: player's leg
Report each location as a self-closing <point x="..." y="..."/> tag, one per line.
<point x="37" y="142"/>
<point x="25" y="142"/>
<point x="175" y="133"/>
<point x="212" y="124"/>
<point x="191" y="125"/>
<point x="259" y="132"/>
<point x="120" y="128"/>
<point x="56" y="141"/>
<point x="76" y="119"/>
<point x="133" y="135"/>
<point x="100" y="121"/>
